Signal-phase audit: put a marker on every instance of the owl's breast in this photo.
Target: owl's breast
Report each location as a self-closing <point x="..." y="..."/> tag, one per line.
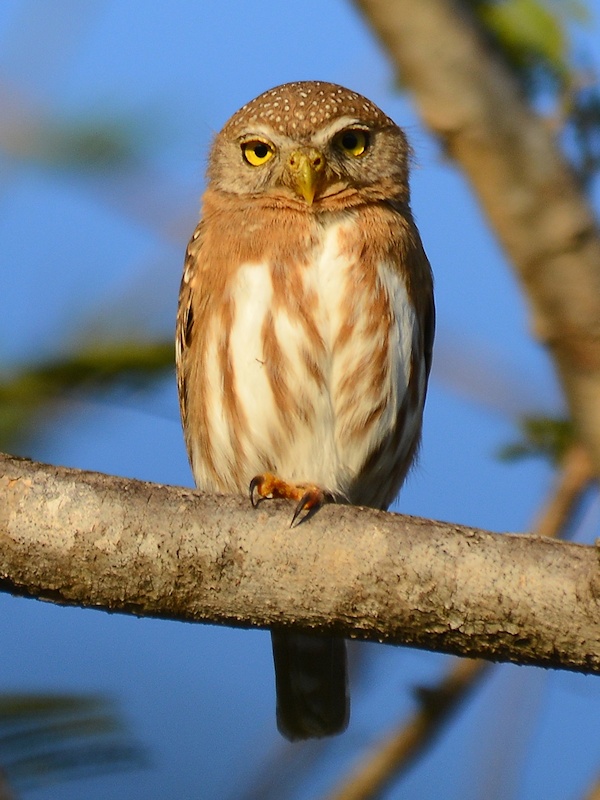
<point x="373" y="348"/>
<point x="304" y="364"/>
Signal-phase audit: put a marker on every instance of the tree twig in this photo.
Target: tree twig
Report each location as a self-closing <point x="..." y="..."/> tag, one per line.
<point x="399" y="750"/>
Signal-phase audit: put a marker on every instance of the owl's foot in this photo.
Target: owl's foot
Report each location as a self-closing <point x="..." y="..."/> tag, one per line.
<point x="309" y="497"/>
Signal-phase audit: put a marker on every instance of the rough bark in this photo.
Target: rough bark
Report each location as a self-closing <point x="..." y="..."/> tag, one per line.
<point x="87" y="539"/>
<point x="472" y="103"/>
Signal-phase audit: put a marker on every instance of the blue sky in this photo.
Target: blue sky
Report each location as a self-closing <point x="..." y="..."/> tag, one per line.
<point x="85" y="252"/>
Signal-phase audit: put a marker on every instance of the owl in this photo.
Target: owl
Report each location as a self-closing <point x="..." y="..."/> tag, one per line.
<point x="304" y="333"/>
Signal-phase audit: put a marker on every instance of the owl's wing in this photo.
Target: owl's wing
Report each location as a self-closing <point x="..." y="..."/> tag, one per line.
<point x="429" y="331"/>
<point x="185" y="317"/>
<point x="423" y="277"/>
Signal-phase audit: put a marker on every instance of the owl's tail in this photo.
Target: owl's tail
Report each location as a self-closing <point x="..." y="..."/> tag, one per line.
<point x="311" y="683"/>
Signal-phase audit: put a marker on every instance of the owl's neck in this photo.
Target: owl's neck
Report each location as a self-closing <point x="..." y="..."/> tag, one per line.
<point x="217" y="202"/>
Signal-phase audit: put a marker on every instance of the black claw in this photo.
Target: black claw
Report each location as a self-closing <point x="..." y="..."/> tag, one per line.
<point x="253" y="484"/>
<point x="300" y="507"/>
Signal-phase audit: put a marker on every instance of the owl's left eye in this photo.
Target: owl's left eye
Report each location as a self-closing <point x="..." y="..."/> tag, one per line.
<point x="353" y="142"/>
<point x="257" y="152"/>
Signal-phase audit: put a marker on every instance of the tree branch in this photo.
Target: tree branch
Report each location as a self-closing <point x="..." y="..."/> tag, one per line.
<point x="469" y="99"/>
<point x="82" y="538"/>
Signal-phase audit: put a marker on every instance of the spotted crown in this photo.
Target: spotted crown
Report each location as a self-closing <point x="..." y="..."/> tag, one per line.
<point x="298" y="109"/>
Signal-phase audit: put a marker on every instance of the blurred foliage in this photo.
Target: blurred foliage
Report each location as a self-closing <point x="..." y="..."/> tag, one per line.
<point x="131" y="364"/>
<point x="95" y="143"/>
<point x="86" y="144"/>
<point x="532" y="36"/>
<point x="533" y="39"/>
<point x="47" y="738"/>
<point x="541" y="437"/>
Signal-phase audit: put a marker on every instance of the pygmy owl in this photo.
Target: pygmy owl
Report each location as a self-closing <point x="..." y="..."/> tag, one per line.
<point x="305" y="331"/>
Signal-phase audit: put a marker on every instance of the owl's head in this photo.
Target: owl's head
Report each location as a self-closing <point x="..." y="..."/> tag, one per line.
<point x="310" y="144"/>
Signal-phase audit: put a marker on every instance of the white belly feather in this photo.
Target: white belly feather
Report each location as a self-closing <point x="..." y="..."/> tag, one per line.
<point x="325" y="450"/>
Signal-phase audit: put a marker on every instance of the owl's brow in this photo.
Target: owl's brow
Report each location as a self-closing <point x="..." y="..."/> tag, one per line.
<point x="258" y="132"/>
<point x="266" y="133"/>
<point x="328" y="131"/>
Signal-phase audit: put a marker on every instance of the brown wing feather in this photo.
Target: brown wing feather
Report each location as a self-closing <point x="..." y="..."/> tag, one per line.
<point x="184" y="328"/>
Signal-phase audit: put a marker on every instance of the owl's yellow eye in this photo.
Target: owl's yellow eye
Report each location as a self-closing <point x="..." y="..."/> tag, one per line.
<point x="257" y="152"/>
<point x="353" y="142"/>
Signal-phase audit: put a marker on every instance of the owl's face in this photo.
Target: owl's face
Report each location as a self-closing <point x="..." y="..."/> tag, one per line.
<point x="307" y="144"/>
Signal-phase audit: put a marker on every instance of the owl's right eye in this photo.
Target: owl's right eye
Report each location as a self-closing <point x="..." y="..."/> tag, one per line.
<point x="257" y="152"/>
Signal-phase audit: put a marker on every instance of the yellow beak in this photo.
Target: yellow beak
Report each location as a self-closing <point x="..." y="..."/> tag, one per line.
<point x="305" y="168"/>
